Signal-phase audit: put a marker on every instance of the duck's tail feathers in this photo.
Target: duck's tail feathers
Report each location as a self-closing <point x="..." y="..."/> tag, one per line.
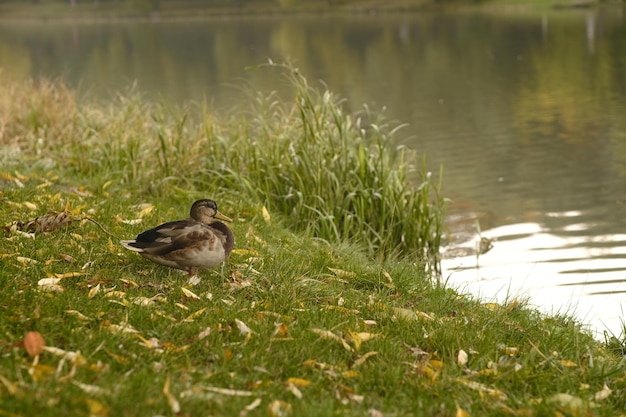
<point x="129" y="244"/>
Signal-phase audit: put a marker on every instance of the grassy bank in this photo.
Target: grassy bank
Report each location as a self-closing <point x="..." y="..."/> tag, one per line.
<point x="325" y="308"/>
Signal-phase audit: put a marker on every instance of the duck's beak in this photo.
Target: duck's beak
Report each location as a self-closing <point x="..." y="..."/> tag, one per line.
<point x="220" y="216"/>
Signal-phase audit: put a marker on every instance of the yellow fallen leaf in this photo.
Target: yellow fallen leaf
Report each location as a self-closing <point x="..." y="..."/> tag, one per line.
<point x="93" y="291"/>
<point x="460" y="412"/>
<point x="171" y="400"/>
<point x="294" y="390"/>
<point x="11" y="387"/>
<point x="204" y="333"/>
<point x="461" y="358"/>
<point x="146" y="209"/>
<point x="361" y="360"/>
<point x="266" y="214"/>
<point x="118" y="218"/>
<point x="143" y="301"/>
<point x="328" y="335"/>
<point x="340" y="273"/>
<point x="350" y="374"/>
<point x="279" y="408"/>
<point x="567" y="363"/>
<point x="195" y="315"/>
<point x="51" y="288"/>
<point x="122" y="328"/>
<point x="48" y="281"/>
<point x="65" y="354"/>
<point x="228" y="391"/>
<point x="509" y="350"/>
<point x="405" y="313"/>
<point x="78" y="314"/>
<point x="69" y="275"/>
<point x="41" y="372"/>
<point x="603" y="394"/>
<point x="26" y="261"/>
<point x="114" y="293"/>
<point x="96" y="408"/>
<point x="299" y="382"/>
<point x="567" y="400"/>
<point x="91" y="389"/>
<point x="189" y="293"/>
<point x="424" y="316"/>
<point x="254" y="404"/>
<point x="483" y="388"/>
<point x="280" y="329"/>
<point x="243" y="328"/>
<point x="242" y="252"/>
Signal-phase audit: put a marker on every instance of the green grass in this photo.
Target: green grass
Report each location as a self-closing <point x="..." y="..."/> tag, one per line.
<point x="343" y="323"/>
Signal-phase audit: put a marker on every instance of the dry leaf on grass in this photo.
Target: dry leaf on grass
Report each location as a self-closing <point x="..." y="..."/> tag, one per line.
<point x="279" y="408"/>
<point x="34" y="343"/>
<point x="171" y="400"/>
<point x="328" y="335"/>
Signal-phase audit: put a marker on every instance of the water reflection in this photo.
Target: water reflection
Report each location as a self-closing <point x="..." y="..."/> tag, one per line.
<point x="565" y="270"/>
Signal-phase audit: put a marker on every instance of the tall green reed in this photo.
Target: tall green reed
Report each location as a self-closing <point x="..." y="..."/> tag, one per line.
<point x="336" y="175"/>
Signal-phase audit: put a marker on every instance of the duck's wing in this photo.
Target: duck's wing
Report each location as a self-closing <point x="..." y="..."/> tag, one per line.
<point x="171" y="236"/>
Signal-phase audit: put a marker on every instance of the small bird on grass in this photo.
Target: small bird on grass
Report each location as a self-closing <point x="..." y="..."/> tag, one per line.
<point x="198" y="242"/>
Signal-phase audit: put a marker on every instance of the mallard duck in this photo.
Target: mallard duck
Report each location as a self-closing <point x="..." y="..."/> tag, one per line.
<point x="198" y="242"/>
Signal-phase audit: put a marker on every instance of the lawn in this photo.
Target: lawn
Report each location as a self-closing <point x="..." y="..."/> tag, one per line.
<point x="329" y="304"/>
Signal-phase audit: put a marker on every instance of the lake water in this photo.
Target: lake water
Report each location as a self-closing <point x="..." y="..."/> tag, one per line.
<point x="526" y="112"/>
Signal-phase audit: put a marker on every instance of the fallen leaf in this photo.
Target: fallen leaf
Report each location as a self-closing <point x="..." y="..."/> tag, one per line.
<point x="244" y="330"/>
<point x="48" y="281"/>
<point x="340" y="273"/>
<point x="69" y="275"/>
<point x="279" y="408"/>
<point x="361" y="360"/>
<point x="567" y="363"/>
<point x="254" y="404"/>
<point x="461" y="358"/>
<point x="78" y="314"/>
<point x="567" y="400"/>
<point x="11" y="387"/>
<point x="603" y="394"/>
<point x="91" y="389"/>
<point x="294" y="390"/>
<point x="328" y="335"/>
<point x="96" y="408"/>
<point x="171" y="400"/>
<point x="65" y="354"/>
<point x="483" y="388"/>
<point x="228" y="391"/>
<point x="460" y="412"/>
<point x="26" y="261"/>
<point x="405" y="313"/>
<point x="204" y="333"/>
<point x="34" y="343"/>
<point x="189" y="293"/>
<point x="93" y="291"/>
<point x="299" y="382"/>
<point x="266" y="214"/>
<point x="67" y="258"/>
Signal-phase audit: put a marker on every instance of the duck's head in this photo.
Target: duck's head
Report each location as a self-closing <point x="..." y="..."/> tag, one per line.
<point x="205" y="211"/>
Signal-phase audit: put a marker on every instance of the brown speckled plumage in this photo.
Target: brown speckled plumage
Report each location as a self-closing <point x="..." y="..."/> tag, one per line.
<point x="198" y="242"/>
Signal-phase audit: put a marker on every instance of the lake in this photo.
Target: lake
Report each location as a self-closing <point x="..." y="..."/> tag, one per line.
<point x="526" y="112"/>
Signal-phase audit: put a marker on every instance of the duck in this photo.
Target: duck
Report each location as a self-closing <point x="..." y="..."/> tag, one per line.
<point x="198" y="242"/>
